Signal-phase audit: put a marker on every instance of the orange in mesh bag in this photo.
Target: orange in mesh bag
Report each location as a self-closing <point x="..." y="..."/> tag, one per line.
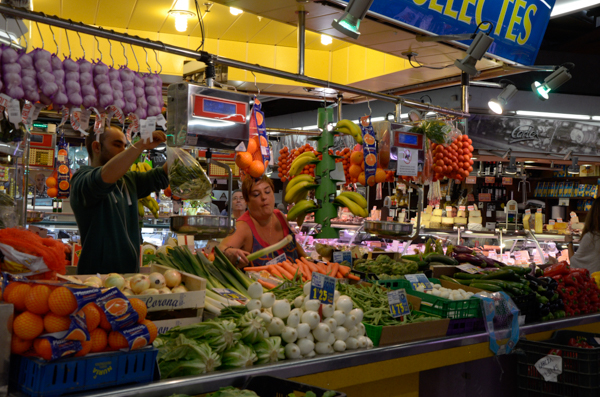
<point x="27" y="254"/>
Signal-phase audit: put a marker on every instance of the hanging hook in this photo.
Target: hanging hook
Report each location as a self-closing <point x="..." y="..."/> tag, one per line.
<point x="24" y="37"/>
<point x="156" y="56"/>
<point x="41" y="37"/>
<point x="255" y="85"/>
<point x="81" y="44"/>
<point x="369" y="106"/>
<point x="53" y="38"/>
<point x="68" y="43"/>
<point x="124" y="54"/>
<point x="95" y="38"/>
<point x="136" y="61"/>
<point x="110" y="54"/>
<point x="147" y="64"/>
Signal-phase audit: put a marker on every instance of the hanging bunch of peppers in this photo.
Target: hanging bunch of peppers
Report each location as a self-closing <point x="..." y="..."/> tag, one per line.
<point x="577" y="289"/>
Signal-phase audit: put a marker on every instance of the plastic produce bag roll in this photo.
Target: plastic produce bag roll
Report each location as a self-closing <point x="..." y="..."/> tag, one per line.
<point x="187" y="178"/>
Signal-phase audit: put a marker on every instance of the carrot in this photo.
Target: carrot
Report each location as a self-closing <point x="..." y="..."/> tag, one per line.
<point x="322" y="268"/>
<point x="311" y="266"/>
<point x="266" y="285"/>
<point x="288" y="267"/>
<point x="328" y="268"/>
<point x="256" y="268"/>
<point x="352" y="277"/>
<point x="334" y="269"/>
<point x="284" y="272"/>
<point x="275" y="271"/>
<point x="340" y="275"/>
<point x="344" y="269"/>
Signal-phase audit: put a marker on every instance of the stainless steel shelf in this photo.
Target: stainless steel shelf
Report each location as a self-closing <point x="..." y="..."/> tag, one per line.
<point x="337" y="225"/>
<point x="562" y="238"/>
<point x="293" y="368"/>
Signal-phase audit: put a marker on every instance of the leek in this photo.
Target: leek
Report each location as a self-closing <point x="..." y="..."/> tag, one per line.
<point x="240" y="276"/>
<point x="272" y="248"/>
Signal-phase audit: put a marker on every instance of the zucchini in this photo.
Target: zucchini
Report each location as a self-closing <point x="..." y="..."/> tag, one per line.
<point x="487" y="287"/>
<point x="452" y="280"/>
<point x="467" y="276"/>
<point x="521" y="271"/>
<point x="501" y="275"/>
<point x="499" y="283"/>
<point x="414" y="258"/>
<point x="424" y="265"/>
<point x="446" y="260"/>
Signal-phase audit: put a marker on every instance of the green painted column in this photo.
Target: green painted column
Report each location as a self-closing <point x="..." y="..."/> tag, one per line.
<point x="325" y="192"/>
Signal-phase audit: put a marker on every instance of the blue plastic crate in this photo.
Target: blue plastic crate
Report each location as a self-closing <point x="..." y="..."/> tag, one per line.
<point x="95" y="371"/>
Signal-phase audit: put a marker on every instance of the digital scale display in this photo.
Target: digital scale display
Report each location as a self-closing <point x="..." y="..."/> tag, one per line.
<point x="408" y="139"/>
<point x="218" y="107"/>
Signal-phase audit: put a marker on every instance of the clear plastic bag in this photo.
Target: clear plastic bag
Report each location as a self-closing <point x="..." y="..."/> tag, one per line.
<point x="186" y="177"/>
<point x="501" y="317"/>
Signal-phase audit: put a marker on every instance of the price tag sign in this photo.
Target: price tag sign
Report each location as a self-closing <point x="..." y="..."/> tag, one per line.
<point x="507" y="181"/>
<point x="448" y="198"/>
<point x="462" y="208"/>
<point x="550" y="367"/>
<point x="471" y="208"/>
<point x="485" y="197"/>
<point x="398" y="303"/>
<point x="340" y="256"/>
<point x="437" y="206"/>
<point x="527" y="212"/>
<point x="551" y="222"/>
<point x="229" y="294"/>
<point x="539" y="210"/>
<point x="471" y="180"/>
<point x="322" y="288"/>
<point x="490" y="179"/>
<point x="448" y="210"/>
<point x="418" y="280"/>
<point x="277" y="260"/>
<point x="471" y="269"/>
<point x="559" y="220"/>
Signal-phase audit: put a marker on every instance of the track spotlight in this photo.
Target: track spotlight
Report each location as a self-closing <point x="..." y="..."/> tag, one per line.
<point x="497" y="105"/>
<point x="551" y="83"/>
<point x="476" y="51"/>
<point x="574" y="167"/>
<point x="355" y="12"/>
<point x="512" y="166"/>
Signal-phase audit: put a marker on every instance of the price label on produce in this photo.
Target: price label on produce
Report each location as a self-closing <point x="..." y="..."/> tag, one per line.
<point x="229" y="294"/>
<point x="340" y="256"/>
<point x="471" y="269"/>
<point x="462" y="208"/>
<point x="322" y="288"/>
<point x="527" y="212"/>
<point x="448" y="210"/>
<point x="398" y="303"/>
<point x="471" y="208"/>
<point x="277" y="260"/>
<point x="419" y="280"/>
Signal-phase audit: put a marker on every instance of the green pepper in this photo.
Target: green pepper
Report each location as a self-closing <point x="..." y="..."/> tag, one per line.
<point x="541" y="299"/>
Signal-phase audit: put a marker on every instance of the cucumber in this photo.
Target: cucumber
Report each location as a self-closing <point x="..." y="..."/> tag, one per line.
<point x="452" y="280"/>
<point x="414" y="258"/>
<point x="501" y="275"/>
<point x="487" y="287"/>
<point x="467" y="276"/>
<point x="521" y="271"/>
<point x="446" y="260"/>
<point x="499" y="283"/>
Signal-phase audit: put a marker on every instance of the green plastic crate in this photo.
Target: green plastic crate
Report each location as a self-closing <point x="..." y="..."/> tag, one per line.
<point x="445" y="308"/>
<point x="374" y="333"/>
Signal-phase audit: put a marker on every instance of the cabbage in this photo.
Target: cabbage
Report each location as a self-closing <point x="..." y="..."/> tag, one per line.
<point x="240" y="355"/>
<point x="219" y="334"/>
<point x="253" y="327"/>
<point x="269" y="350"/>
<point x="183" y="357"/>
<point x="231" y="391"/>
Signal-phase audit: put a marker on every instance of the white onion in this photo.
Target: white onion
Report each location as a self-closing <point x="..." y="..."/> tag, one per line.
<point x="353" y="332"/>
<point x="362" y="331"/>
<point x="341" y="333"/>
<point x="358" y="313"/>
<point x="344" y="303"/>
<point x="351" y="343"/>
<point x="328" y="310"/>
<point x="255" y="290"/>
<point x="127" y="292"/>
<point x="336" y="295"/>
<point x="292" y="350"/>
<point x="267" y="300"/>
<point x="322" y="348"/>
<point x="276" y="326"/>
<point x="351" y="321"/>
<point x="267" y="317"/>
<point x="310" y="337"/>
<point x="157" y="280"/>
<point x="310" y="355"/>
<point x="253" y="304"/>
<point x="281" y="308"/>
<point x="362" y="341"/>
<point x="298" y="301"/>
<point x="369" y="343"/>
<point x="150" y="291"/>
<point x="331" y="340"/>
<point x="255" y="312"/>
<point x="115" y="280"/>
<point x="339" y="317"/>
<point x="306" y="288"/>
<point x="339" y="346"/>
<point x="173" y="278"/>
<point x="289" y="335"/>
<point x="321" y="332"/>
<point x="294" y="318"/>
<point x="303" y="330"/>
<point x="306" y="346"/>
<point x="179" y="289"/>
<point x="312" y="305"/>
<point x="311" y="318"/>
<point x="331" y="323"/>
<point x="164" y="290"/>
<point x="140" y="283"/>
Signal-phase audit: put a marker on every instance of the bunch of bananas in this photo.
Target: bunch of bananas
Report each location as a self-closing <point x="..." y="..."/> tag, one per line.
<point x="355" y="202"/>
<point x="299" y="162"/>
<point x="299" y="211"/>
<point x="348" y="127"/>
<point x="148" y="201"/>
<point x="297" y="189"/>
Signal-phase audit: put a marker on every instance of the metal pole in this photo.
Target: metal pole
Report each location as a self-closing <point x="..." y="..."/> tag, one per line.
<point x="26" y="139"/>
<point x="339" y="107"/>
<point x="207" y="57"/>
<point x="301" y="40"/>
<point x="398" y="113"/>
<point x="464" y="96"/>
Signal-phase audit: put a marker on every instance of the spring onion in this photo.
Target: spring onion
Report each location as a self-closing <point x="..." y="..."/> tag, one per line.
<point x="270" y="249"/>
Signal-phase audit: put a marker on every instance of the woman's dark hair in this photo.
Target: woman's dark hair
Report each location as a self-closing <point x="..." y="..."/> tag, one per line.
<point x="592" y="220"/>
<point x="249" y="182"/>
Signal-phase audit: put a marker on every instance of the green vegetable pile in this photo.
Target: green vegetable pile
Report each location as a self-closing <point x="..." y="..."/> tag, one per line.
<point x="188" y="182"/>
<point x="233" y="392"/>
<point x="374" y="303"/>
<point x="384" y="265"/>
<point x="435" y="130"/>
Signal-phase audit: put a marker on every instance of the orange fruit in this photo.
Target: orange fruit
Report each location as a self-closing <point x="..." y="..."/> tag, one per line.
<point x="256" y="169"/>
<point x="380" y="175"/>
<point x="243" y="160"/>
<point x="116" y="340"/>
<point x="117" y="306"/>
<point x="252" y="146"/>
<point x="19" y="346"/>
<point x="140" y="307"/>
<point x="263" y="141"/>
<point x="9" y="288"/>
<point x="51" y="182"/>
<point x="151" y="329"/>
<point x="92" y="316"/>
<point x="17" y="296"/>
<point x="99" y="340"/>
<point x="43" y="348"/>
<point x="361" y="179"/>
<point x="257" y="156"/>
<point x="36" y="300"/>
<point x="371" y="180"/>
<point x="28" y="325"/>
<point x="139" y="342"/>
<point x="259" y="118"/>
<point x="52" y="192"/>
<point x="86" y="346"/>
<point x="354" y="170"/>
<point x="62" y="301"/>
<point x="63" y="185"/>
<point x="356" y="158"/>
<point x="104" y="323"/>
<point x="55" y="323"/>
<point x="76" y="334"/>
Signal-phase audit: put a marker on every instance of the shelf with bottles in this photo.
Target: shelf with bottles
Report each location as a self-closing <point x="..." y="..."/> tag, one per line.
<point x="570" y="198"/>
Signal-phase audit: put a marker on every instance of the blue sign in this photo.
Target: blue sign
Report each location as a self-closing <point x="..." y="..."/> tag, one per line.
<point x="398" y="303"/>
<point x="419" y="280"/>
<point x="322" y="288"/>
<point x="340" y="256"/>
<point x="518" y="25"/>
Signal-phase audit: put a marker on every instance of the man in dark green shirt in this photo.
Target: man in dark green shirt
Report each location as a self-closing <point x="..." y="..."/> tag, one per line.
<point x="104" y="200"/>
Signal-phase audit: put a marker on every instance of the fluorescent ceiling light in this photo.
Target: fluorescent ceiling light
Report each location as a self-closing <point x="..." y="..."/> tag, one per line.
<point x="553" y="115"/>
<point x="326" y="40"/>
<point x="310" y="127"/>
<point x="373" y="119"/>
<point x="596" y="118"/>
<point x="568" y="6"/>
<point x="235" y="11"/>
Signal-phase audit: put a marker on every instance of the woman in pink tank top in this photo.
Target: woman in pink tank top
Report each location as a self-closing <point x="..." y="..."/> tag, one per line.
<point x="259" y="227"/>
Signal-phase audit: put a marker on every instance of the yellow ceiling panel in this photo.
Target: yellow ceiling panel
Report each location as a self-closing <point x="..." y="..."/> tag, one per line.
<point x="80" y="10"/>
<point x="357" y="64"/>
<point x="50" y="7"/>
<point x="286" y="59"/>
<point x="150" y="17"/>
<point x="106" y="15"/>
<point x="394" y="64"/>
<point x="290" y="40"/>
<point x="339" y="66"/>
<point x="216" y="22"/>
<point x="273" y="33"/>
<point x="317" y="64"/>
<point x="375" y="63"/>
<point x="245" y="27"/>
<point x="265" y="56"/>
<point x="258" y="7"/>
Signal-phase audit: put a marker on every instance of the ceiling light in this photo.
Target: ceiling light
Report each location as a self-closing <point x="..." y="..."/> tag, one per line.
<point x="355" y="12"/>
<point x="496" y="105"/>
<point x="512" y="166"/>
<point x="574" y="168"/>
<point x="553" y="115"/>
<point x="566" y="7"/>
<point x="551" y="83"/>
<point x="326" y="40"/>
<point x="476" y="51"/>
<point x="235" y="11"/>
<point x="529" y="162"/>
<point x="181" y="13"/>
